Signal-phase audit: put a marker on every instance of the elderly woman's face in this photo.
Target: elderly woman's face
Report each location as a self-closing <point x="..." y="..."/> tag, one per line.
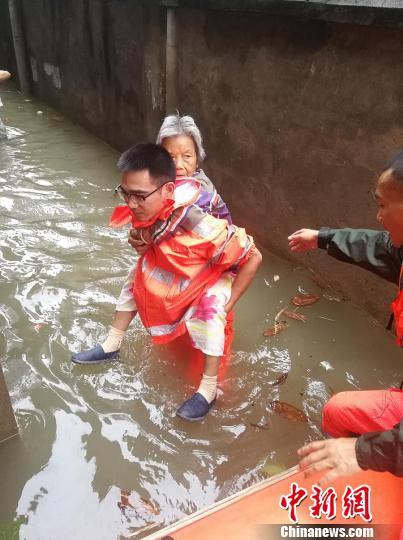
<point x="183" y="152"/>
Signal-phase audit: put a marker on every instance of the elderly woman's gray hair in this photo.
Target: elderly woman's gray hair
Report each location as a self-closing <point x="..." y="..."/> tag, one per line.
<point x="174" y="125"/>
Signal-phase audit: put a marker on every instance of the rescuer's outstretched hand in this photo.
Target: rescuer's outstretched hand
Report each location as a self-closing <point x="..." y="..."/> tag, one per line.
<point x="303" y="240"/>
<point x="335" y="456"/>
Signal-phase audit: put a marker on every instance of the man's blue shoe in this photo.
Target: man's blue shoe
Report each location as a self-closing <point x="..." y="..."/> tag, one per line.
<point x="94" y="356"/>
<point x="195" y="408"/>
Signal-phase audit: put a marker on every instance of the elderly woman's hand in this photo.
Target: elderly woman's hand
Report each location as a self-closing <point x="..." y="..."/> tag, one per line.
<point x="137" y="242"/>
<point x="336" y="456"/>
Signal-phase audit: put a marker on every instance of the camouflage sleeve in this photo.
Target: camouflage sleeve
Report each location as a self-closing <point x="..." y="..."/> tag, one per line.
<point x="369" y="249"/>
<point x="382" y="450"/>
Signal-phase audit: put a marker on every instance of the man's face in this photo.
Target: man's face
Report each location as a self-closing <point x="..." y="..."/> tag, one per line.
<point x="183" y="151"/>
<point x="141" y="183"/>
<point x="389" y="198"/>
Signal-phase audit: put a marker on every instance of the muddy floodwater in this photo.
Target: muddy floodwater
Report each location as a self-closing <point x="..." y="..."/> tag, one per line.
<point x="100" y="453"/>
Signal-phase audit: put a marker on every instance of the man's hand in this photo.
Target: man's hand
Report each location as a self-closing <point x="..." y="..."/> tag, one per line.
<point x="136" y="242"/>
<point x="303" y="240"/>
<point x="337" y="456"/>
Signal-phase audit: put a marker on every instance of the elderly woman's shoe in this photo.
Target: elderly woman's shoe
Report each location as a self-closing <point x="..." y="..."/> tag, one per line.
<point x="195" y="408"/>
<point x="94" y="356"/>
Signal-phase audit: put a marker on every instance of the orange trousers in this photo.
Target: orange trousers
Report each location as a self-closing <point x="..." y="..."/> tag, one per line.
<point x="354" y="413"/>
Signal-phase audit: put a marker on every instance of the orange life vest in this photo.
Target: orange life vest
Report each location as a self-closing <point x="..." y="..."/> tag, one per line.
<point x="189" y="251"/>
<point x="188" y="254"/>
<point x="172" y="275"/>
<point x="397" y="310"/>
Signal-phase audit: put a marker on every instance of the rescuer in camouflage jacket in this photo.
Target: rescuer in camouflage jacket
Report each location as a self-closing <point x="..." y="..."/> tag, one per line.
<point x="369" y="422"/>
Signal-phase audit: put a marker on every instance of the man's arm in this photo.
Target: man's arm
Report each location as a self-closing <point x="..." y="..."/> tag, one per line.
<point x="244" y="277"/>
<point x="369" y="249"/>
<point x="377" y="451"/>
<point x="382" y="450"/>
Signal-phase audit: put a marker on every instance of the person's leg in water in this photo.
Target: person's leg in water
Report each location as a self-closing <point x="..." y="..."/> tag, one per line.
<point x="196" y="408"/>
<point x="119" y="326"/>
<point x="354" y="413"/>
<point x="207" y="332"/>
<point x="124" y="314"/>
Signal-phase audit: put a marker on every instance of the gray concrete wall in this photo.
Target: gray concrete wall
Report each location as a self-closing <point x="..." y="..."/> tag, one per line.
<point x="101" y="62"/>
<point x="8" y="425"/>
<point x="366" y="12"/>
<point x="7" y="57"/>
<point x="298" y="117"/>
<point x="298" y="113"/>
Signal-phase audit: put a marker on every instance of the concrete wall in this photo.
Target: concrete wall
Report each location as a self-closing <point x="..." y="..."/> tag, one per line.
<point x="298" y="113"/>
<point x="366" y="12"/>
<point x="298" y="117"/>
<point x="101" y="62"/>
<point x="7" y="58"/>
<point x="8" y="425"/>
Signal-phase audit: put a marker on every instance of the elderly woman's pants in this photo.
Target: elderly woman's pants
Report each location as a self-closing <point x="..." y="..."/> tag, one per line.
<point x="354" y="413"/>
<point x="210" y="327"/>
<point x="126" y="301"/>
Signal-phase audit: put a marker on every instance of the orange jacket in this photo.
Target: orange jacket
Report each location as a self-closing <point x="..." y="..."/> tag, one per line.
<point x="397" y="310"/>
<point x="181" y="263"/>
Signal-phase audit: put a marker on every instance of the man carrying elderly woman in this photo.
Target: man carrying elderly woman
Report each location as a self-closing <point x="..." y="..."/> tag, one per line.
<point x="367" y="424"/>
<point x="194" y="264"/>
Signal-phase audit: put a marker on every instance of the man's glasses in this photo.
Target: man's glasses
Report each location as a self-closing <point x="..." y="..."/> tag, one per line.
<point x="139" y="198"/>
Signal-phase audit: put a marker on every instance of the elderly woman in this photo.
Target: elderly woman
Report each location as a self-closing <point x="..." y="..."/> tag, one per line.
<point x="182" y="139"/>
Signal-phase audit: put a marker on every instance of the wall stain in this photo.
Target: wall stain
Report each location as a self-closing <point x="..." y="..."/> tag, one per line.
<point x="87" y="27"/>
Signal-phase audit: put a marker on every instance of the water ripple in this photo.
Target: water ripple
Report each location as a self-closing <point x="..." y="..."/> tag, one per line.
<point x="94" y="436"/>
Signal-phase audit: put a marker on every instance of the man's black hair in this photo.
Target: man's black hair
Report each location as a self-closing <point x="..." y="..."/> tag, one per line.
<point x="150" y="157"/>
<point x="395" y="165"/>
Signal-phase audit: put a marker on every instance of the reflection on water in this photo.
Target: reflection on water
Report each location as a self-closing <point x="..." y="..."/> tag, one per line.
<point x="101" y="453"/>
